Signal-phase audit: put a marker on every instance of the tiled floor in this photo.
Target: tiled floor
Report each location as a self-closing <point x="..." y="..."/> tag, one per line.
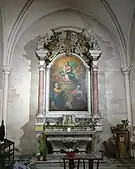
<point x="110" y="164"/>
<point x="55" y="162"/>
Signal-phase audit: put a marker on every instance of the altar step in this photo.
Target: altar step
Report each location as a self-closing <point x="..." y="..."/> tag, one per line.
<point x="105" y="164"/>
<point x="60" y="166"/>
<point x="102" y="166"/>
<point x="55" y="162"/>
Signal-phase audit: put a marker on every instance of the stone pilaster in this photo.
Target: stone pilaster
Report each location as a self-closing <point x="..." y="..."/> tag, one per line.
<point x="126" y="72"/>
<point x="95" y="56"/>
<point x="6" y="73"/>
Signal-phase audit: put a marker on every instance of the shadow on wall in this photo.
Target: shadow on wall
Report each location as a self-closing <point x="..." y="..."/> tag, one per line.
<point x="27" y="141"/>
<point x="108" y="143"/>
<point x="106" y="130"/>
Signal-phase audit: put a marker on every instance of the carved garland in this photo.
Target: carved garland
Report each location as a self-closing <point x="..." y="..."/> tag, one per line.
<point x="68" y="42"/>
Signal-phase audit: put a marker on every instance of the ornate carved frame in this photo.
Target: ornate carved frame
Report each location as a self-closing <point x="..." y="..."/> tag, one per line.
<point x="89" y="95"/>
<point x="85" y="47"/>
<point x="67" y="42"/>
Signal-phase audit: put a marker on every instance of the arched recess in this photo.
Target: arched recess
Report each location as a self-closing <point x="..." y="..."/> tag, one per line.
<point x="62" y="18"/>
<point x="119" y="32"/>
<point x="25" y="66"/>
<point x="25" y="48"/>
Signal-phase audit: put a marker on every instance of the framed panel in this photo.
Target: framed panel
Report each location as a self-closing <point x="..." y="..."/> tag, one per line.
<point x="68" y="89"/>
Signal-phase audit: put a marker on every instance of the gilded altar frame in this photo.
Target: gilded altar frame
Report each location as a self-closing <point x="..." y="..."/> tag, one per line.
<point x="50" y="113"/>
<point x="66" y="43"/>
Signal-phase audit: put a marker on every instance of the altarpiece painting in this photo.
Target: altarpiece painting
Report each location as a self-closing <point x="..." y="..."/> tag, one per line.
<point x="68" y="85"/>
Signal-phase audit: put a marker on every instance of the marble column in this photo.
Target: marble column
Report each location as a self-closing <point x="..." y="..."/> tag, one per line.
<point x="95" y="56"/>
<point x="126" y="72"/>
<point x="42" y="56"/>
<point x="6" y="73"/>
<point x="41" y="92"/>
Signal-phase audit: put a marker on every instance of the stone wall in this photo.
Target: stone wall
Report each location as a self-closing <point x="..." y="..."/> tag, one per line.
<point x="111" y="89"/>
<point x="22" y="104"/>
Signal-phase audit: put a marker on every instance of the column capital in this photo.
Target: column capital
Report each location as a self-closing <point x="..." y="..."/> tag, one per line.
<point x="42" y="54"/>
<point x="6" y="69"/>
<point x="126" y="70"/>
<point x="42" y="65"/>
<point x="95" y="54"/>
<point x="95" y="66"/>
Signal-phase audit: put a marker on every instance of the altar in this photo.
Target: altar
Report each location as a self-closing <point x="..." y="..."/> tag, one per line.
<point x="83" y="135"/>
<point x="66" y="141"/>
<point x="68" y="115"/>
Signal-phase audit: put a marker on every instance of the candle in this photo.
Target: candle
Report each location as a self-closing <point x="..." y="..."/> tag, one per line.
<point x="68" y="129"/>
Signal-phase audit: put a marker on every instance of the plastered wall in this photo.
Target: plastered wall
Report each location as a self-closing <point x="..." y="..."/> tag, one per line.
<point x="23" y="87"/>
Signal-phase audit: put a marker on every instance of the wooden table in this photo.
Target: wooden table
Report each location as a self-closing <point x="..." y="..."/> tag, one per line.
<point x="88" y="157"/>
<point x="71" y="161"/>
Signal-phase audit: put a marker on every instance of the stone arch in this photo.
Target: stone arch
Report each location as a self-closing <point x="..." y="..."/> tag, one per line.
<point x="132" y="39"/>
<point x="98" y="30"/>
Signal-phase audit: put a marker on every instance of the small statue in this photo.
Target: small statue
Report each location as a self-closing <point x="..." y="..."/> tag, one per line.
<point x="41" y="146"/>
<point x="2" y="132"/>
<point x="125" y="123"/>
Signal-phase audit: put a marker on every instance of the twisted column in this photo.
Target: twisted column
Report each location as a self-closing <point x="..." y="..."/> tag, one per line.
<point x="126" y="72"/>
<point x="6" y="73"/>
<point x="95" y="56"/>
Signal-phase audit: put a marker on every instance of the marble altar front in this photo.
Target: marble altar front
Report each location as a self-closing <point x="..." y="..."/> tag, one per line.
<point x="82" y="134"/>
<point x="68" y="141"/>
